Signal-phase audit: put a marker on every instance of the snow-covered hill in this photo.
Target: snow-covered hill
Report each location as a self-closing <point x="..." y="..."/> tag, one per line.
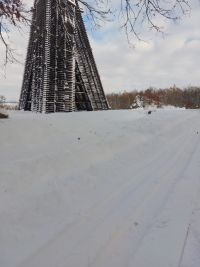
<point x="100" y="189"/>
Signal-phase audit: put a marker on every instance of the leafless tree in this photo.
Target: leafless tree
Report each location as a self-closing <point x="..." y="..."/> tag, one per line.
<point x="179" y="97"/>
<point x="139" y="12"/>
<point x="132" y="13"/>
<point x="2" y="99"/>
<point x="12" y="13"/>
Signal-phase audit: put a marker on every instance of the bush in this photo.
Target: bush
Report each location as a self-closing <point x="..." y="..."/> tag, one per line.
<point x="3" y="116"/>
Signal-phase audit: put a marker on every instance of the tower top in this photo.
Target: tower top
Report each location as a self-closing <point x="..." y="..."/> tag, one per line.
<point x="72" y="2"/>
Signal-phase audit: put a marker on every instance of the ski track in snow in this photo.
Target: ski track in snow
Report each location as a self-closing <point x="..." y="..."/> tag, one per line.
<point x="100" y="189"/>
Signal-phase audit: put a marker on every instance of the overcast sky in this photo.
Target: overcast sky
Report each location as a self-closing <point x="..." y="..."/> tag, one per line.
<point x="159" y="62"/>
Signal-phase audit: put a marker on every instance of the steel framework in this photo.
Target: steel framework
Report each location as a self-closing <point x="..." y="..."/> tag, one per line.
<point x="60" y="71"/>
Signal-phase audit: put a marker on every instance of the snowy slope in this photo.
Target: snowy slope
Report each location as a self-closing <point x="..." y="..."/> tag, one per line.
<point x="100" y="189"/>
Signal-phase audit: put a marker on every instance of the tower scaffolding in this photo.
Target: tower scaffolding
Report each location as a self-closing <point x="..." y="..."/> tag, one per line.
<point x="60" y="71"/>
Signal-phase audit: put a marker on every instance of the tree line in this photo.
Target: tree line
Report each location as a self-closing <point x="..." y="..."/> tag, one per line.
<point x="188" y="98"/>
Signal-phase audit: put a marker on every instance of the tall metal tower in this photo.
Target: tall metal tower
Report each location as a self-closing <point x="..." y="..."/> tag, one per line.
<point x="60" y="72"/>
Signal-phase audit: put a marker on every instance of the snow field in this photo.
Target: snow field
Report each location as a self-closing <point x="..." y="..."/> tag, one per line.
<point x="100" y="189"/>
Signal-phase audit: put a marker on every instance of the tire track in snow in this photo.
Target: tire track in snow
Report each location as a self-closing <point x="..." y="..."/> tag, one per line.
<point x="113" y="200"/>
<point x="169" y="181"/>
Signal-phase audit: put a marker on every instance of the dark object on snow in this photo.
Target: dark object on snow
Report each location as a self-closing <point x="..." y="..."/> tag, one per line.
<point x="3" y="116"/>
<point x="149" y="112"/>
<point x="79" y="138"/>
<point x="60" y="72"/>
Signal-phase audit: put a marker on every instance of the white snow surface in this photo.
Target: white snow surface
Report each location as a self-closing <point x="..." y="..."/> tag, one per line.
<point x="100" y="189"/>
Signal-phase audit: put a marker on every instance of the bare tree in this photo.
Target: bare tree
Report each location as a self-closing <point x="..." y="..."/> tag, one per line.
<point x="133" y="14"/>
<point x="12" y="13"/>
<point x="2" y="99"/>
<point x="136" y="13"/>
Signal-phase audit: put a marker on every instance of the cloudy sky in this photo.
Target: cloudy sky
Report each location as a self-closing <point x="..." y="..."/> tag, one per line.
<point x="159" y="61"/>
